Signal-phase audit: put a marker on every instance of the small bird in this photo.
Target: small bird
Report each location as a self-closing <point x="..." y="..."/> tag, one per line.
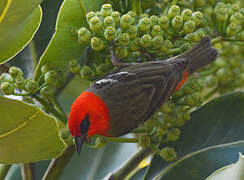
<point x="128" y="96"/>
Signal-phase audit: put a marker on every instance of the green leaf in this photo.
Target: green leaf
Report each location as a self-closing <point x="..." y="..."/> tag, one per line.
<point x="90" y="164"/>
<point x="216" y="123"/>
<point x="64" y="45"/>
<point x="19" y="20"/>
<point x="27" y="134"/>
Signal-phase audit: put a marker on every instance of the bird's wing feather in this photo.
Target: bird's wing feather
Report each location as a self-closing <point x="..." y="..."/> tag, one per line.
<point x="135" y="92"/>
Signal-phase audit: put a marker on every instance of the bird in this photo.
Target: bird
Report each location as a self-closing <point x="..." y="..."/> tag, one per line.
<point x="123" y="99"/>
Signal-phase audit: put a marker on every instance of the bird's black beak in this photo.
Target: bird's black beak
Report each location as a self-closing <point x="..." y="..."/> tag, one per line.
<point x="79" y="142"/>
<point x="84" y="127"/>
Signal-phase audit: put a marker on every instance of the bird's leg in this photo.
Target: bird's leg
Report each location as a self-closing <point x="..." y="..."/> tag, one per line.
<point x="114" y="59"/>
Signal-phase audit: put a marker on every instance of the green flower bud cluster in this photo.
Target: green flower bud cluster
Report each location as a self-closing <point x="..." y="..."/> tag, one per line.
<point x="14" y="83"/>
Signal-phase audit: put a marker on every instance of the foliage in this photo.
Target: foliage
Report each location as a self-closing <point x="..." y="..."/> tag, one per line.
<point x="34" y="128"/>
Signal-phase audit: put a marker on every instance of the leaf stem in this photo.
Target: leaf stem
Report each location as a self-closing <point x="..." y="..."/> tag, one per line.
<point x="50" y="108"/>
<point x="136" y="6"/>
<point x="28" y="171"/>
<point x="4" y="168"/>
<point x="33" y="53"/>
<point x="123" y="171"/>
<point x="59" y="107"/>
<point x="122" y="140"/>
<point x="57" y="165"/>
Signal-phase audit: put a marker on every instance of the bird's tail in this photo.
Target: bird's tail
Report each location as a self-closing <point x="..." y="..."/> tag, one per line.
<point x="200" y="55"/>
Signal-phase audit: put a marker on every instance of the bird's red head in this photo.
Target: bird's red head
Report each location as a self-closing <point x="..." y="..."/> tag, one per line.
<point x="88" y="116"/>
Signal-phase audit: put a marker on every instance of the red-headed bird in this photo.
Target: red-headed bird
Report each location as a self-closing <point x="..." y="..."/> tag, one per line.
<point x="123" y="99"/>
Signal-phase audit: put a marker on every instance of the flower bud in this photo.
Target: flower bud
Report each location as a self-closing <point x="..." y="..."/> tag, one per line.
<point x="125" y="22"/>
<point x="144" y="24"/>
<point x="144" y="15"/>
<point x="97" y="44"/>
<point x="108" y="21"/>
<point x="220" y="63"/>
<point x="211" y="81"/>
<point x="173" y="134"/>
<point x="218" y="6"/>
<point x="51" y="77"/>
<point x="133" y="16"/>
<point x="15" y="71"/>
<point x="241" y="36"/>
<point x="224" y="75"/>
<point x="135" y="44"/>
<point x="31" y="86"/>
<point x="162" y="130"/>
<point x="163" y="22"/>
<point x="20" y="82"/>
<point x="84" y="35"/>
<point x="168" y="107"/>
<point x="232" y="29"/>
<point x="90" y="15"/>
<point x="124" y="39"/>
<point x="189" y="26"/>
<point x="121" y="51"/>
<point x="174" y="10"/>
<point x="144" y="141"/>
<point x="110" y="33"/>
<point x="237" y="18"/>
<point x="168" y="154"/>
<point x="87" y="73"/>
<point x="234" y="8"/>
<point x="186" y="116"/>
<point x="96" y="24"/>
<point x="156" y="31"/>
<point x="74" y="66"/>
<point x="47" y="92"/>
<point x="146" y="40"/>
<point x="7" y="88"/>
<point x="177" y="22"/>
<point x="154" y="20"/>
<point x="100" y="142"/>
<point x="116" y="16"/>
<point x="5" y="77"/>
<point x="158" y="42"/>
<point x="167" y="45"/>
<point x="101" y="69"/>
<point x="186" y="14"/>
<point x="197" y="17"/>
<point x="45" y="68"/>
<point x="222" y="15"/>
<point x="106" y="10"/>
<point x="132" y="32"/>
<point x="199" y="3"/>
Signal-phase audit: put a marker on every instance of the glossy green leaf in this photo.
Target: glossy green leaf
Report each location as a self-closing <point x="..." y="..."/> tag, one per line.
<point x="216" y="123"/>
<point x="64" y="45"/>
<point x="27" y="134"/>
<point x="90" y="164"/>
<point x="19" y="20"/>
<point x="200" y="164"/>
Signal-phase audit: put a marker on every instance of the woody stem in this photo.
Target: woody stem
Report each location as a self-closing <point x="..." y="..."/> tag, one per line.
<point x="57" y="165"/>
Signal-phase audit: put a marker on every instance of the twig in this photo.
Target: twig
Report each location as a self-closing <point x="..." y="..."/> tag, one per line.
<point x="4" y="168"/>
<point x="57" y="165"/>
<point x="130" y="165"/>
<point x="28" y="171"/>
<point x="50" y="108"/>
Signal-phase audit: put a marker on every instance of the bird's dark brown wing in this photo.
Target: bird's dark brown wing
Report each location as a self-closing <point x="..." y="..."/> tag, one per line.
<point x="135" y="92"/>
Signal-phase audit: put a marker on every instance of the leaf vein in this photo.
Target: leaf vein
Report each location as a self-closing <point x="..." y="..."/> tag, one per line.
<point x="22" y="125"/>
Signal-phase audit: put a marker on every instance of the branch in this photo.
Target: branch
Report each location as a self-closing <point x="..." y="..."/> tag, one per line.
<point x="4" y="168"/>
<point x="57" y="165"/>
<point x="123" y="171"/>
<point x="28" y="171"/>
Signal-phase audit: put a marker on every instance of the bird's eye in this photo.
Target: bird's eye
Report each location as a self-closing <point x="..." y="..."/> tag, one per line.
<point x="85" y="124"/>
